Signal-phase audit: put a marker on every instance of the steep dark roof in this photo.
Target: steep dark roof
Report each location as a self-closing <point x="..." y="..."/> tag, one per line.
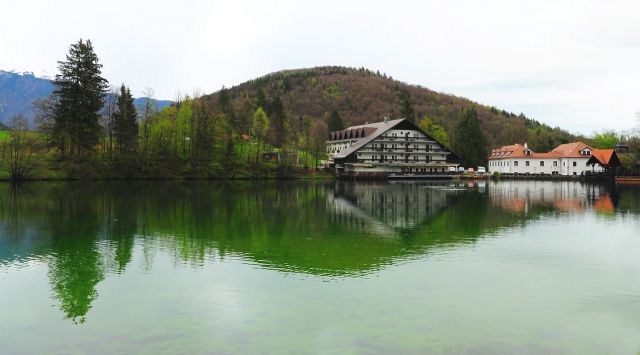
<point x="380" y="128"/>
<point x="374" y="130"/>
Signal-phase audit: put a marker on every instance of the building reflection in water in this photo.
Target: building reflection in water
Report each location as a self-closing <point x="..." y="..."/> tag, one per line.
<point x="389" y="209"/>
<point x="86" y="232"/>
<point x="567" y="196"/>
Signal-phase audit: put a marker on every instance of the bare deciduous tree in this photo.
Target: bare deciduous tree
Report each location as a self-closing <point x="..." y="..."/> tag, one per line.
<point x="106" y="119"/>
<point x="18" y="151"/>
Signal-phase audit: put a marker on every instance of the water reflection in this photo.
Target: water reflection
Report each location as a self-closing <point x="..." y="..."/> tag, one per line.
<point x="85" y="232"/>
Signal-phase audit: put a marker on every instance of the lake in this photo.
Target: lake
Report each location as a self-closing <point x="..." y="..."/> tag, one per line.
<point x="325" y="267"/>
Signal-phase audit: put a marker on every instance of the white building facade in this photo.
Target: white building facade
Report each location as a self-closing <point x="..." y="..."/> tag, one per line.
<point x="393" y="148"/>
<point x="565" y="159"/>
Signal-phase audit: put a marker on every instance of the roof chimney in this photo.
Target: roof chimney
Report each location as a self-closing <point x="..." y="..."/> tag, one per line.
<point x="386" y="118"/>
<point x="526" y="146"/>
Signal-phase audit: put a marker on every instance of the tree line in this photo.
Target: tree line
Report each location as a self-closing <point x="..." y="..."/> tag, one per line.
<point x="89" y="129"/>
<point x="96" y="131"/>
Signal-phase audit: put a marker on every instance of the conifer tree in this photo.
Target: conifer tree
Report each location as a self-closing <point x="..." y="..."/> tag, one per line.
<point x="279" y="125"/>
<point x="125" y="124"/>
<point x="79" y="93"/>
<point x="470" y="144"/>
<point x="261" y="99"/>
<point x="335" y="122"/>
<point x="406" y="109"/>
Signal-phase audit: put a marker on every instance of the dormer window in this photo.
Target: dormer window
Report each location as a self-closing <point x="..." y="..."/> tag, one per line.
<point x="527" y="152"/>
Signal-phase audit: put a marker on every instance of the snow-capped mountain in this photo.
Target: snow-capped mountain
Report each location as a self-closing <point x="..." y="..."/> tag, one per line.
<point x="41" y="74"/>
<point x="18" y="90"/>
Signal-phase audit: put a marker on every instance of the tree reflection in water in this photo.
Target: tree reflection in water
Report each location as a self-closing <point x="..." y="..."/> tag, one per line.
<point x="85" y="231"/>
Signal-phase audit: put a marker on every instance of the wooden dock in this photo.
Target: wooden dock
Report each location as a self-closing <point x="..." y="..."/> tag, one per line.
<point x="628" y="180"/>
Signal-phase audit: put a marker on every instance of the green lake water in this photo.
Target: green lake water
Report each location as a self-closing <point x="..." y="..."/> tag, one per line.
<point x="300" y="267"/>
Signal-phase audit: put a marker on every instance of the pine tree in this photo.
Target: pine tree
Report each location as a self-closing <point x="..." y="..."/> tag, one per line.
<point x="80" y="91"/>
<point x="279" y="125"/>
<point x="261" y="100"/>
<point x="335" y="122"/>
<point x="406" y="109"/>
<point x="125" y="124"/>
<point x="470" y="144"/>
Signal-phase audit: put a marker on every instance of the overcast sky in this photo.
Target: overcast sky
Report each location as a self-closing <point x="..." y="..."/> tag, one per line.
<point x="574" y="64"/>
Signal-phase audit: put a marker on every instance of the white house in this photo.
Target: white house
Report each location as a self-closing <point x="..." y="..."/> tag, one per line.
<point x="392" y="148"/>
<point x="565" y="159"/>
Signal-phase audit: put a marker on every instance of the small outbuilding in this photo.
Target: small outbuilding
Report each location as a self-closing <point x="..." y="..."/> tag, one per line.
<point x="606" y="158"/>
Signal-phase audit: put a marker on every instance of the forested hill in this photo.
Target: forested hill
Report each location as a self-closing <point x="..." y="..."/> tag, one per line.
<point x="361" y="95"/>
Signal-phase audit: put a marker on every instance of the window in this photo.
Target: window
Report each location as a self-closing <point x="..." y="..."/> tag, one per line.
<point x="526" y="163"/>
<point x="575" y="164"/>
<point x="515" y="163"/>
<point x="541" y="163"/>
<point x="555" y="163"/>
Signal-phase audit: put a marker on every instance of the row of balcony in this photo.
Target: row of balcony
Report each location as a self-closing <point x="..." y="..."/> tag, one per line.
<point x="401" y="150"/>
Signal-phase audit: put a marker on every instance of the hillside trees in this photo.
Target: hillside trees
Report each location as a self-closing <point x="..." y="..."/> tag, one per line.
<point x="80" y="91"/>
<point x="605" y="140"/>
<point x="435" y="130"/>
<point x="470" y="144"/>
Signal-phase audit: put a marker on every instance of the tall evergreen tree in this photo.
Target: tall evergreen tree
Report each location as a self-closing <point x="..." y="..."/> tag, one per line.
<point x="470" y="144"/>
<point x="125" y="124"/>
<point x="406" y="109"/>
<point x="80" y="91"/>
<point x="279" y="125"/>
<point x="261" y="99"/>
<point x="335" y="122"/>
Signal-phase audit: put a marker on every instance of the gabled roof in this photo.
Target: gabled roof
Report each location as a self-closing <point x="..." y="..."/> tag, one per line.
<point x="509" y="151"/>
<point x="351" y="133"/>
<point x="604" y="157"/>
<point x="568" y="150"/>
<point x="375" y="129"/>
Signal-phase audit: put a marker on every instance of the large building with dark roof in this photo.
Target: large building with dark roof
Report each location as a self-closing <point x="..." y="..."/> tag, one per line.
<point x="392" y="148"/>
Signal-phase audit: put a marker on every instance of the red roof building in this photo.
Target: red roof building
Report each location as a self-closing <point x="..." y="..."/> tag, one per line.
<point x="565" y="159"/>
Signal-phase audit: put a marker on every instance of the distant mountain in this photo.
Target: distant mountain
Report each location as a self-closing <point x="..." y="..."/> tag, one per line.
<point x="19" y="89"/>
<point x="362" y="95"/>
